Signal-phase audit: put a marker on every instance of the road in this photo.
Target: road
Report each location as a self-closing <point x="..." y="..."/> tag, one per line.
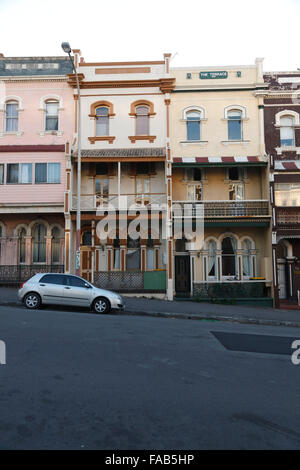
<point x="76" y="380"/>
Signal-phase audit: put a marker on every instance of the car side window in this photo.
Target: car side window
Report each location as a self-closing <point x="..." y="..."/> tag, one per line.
<point x="54" y="279"/>
<point x="76" y="281"/>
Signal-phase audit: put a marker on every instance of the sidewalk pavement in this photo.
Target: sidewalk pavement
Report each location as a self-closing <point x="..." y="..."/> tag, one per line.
<point x="191" y="310"/>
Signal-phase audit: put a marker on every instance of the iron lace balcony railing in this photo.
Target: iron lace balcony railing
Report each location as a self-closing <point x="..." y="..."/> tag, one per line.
<point x="219" y="208"/>
<point x="115" y="202"/>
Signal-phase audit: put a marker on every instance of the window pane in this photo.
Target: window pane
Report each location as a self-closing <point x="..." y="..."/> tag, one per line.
<point x="22" y="248"/>
<point x="102" y="111"/>
<point x="142" y="110"/>
<point x="234" y="130"/>
<point x="76" y="281"/>
<point x="287" y="136"/>
<point x="101" y="126"/>
<point x="41" y="172"/>
<point x="150" y="258"/>
<point x="39" y="244"/>
<point x="1" y="174"/>
<point x="286" y="193"/>
<point x="117" y="264"/>
<point x="11" y="124"/>
<point x="55" y="245"/>
<point x="12" y="173"/>
<point x="133" y="259"/>
<point x="51" y="123"/>
<point x="193" y="130"/>
<point x="12" y="110"/>
<point x="51" y="109"/>
<point x="54" y="279"/>
<point x="142" y="125"/>
<point x="25" y="173"/>
<point x="53" y="172"/>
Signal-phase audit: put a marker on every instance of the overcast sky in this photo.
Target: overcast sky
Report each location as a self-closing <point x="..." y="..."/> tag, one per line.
<point x="197" y="32"/>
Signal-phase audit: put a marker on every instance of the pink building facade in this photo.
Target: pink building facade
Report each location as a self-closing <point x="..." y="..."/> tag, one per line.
<point x="36" y="127"/>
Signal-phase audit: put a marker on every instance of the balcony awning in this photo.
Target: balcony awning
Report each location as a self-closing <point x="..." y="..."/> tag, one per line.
<point x="219" y="161"/>
<point x="288" y="165"/>
<point x="123" y="154"/>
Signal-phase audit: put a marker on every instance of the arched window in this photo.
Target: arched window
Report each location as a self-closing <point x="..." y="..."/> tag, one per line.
<point x="55" y="245"/>
<point x="234" y="124"/>
<point x="39" y="244"/>
<point x="247" y="268"/>
<point x="22" y="245"/>
<point x="193" y="125"/>
<point x="229" y="268"/>
<point x="102" y="121"/>
<point x="212" y="260"/>
<point x="142" y="120"/>
<point x="51" y="121"/>
<point x="11" y="116"/>
<point x="287" y="131"/>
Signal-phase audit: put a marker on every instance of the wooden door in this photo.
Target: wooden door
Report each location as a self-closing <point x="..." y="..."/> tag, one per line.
<point x="182" y="276"/>
<point x="86" y="264"/>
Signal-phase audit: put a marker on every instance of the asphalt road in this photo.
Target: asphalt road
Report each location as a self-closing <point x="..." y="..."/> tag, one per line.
<point x="76" y="380"/>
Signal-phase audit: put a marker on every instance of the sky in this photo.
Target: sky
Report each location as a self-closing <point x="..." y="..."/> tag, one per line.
<point x="196" y="32"/>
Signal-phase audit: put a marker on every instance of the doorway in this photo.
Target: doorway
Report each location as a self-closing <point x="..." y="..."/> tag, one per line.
<point x="182" y="276"/>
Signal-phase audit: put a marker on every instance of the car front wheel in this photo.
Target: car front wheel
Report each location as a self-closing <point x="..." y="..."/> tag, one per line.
<point x="101" y="305"/>
<point x="32" y="300"/>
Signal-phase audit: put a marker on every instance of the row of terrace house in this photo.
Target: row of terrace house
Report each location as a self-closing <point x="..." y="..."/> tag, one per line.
<point x="184" y="175"/>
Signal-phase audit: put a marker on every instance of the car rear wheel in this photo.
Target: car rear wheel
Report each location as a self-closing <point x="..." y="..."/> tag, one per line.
<point x="32" y="300"/>
<point x="101" y="305"/>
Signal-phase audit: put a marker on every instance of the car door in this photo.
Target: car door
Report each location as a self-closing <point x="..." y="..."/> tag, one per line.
<point x="51" y="288"/>
<point x="77" y="292"/>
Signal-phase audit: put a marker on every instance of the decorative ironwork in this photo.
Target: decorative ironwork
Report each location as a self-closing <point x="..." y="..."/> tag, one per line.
<point x="287" y="216"/>
<point x="215" y="209"/>
<point x="23" y="272"/>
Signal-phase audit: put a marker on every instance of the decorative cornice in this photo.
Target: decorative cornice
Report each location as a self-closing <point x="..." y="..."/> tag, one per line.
<point x="166" y="85"/>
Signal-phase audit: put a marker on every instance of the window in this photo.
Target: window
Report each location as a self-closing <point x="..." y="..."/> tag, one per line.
<point x="39" y="244"/>
<point x="133" y="255"/>
<point x="287" y="131"/>
<point x="22" y="245"/>
<point x="1" y="173"/>
<point x="18" y="173"/>
<point x="211" y="259"/>
<point x="228" y="257"/>
<point x="47" y="173"/>
<point x="234" y="174"/>
<point x="101" y="186"/>
<point x="102" y="121"/>
<point x="193" y="125"/>
<point x="234" y="125"/>
<point x="194" y="188"/>
<point x="287" y="194"/>
<point x="51" y="116"/>
<point x="55" y="245"/>
<point x="87" y="238"/>
<point x="246" y="246"/>
<point x="117" y="262"/>
<point x="11" y="116"/>
<point x="59" y="279"/>
<point x="76" y="281"/>
<point x="142" y="120"/>
<point x="150" y="254"/>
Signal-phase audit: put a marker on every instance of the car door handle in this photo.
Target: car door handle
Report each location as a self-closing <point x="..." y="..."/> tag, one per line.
<point x="42" y="285"/>
<point x="67" y="287"/>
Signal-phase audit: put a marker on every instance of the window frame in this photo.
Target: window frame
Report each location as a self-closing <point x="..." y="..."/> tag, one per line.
<point x="51" y="116"/>
<point x="47" y="173"/>
<point x="12" y="118"/>
<point x="19" y="173"/>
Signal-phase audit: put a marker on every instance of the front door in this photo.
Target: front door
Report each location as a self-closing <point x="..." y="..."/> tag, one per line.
<point x="86" y="263"/>
<point x="182" y="276"/>
<point x="281" y="270"/>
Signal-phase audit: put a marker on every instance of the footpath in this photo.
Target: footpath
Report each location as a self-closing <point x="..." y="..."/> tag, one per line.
<point x="191" y="310"/>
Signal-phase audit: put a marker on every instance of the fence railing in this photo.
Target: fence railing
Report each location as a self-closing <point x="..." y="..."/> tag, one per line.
<point x="131" y="281"/>
<point x="116" y="202"/>
<point x="22" y="272"/>
<point x="216" y="209"/>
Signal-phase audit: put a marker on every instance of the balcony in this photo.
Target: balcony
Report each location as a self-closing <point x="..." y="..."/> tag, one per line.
<point x="220" y="209"/>
<point x="288" y="215"/>
<point x="93" y="202"/>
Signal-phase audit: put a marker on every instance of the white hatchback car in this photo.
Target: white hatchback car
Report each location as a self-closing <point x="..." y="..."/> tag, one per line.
<point x="66" y="289"/>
